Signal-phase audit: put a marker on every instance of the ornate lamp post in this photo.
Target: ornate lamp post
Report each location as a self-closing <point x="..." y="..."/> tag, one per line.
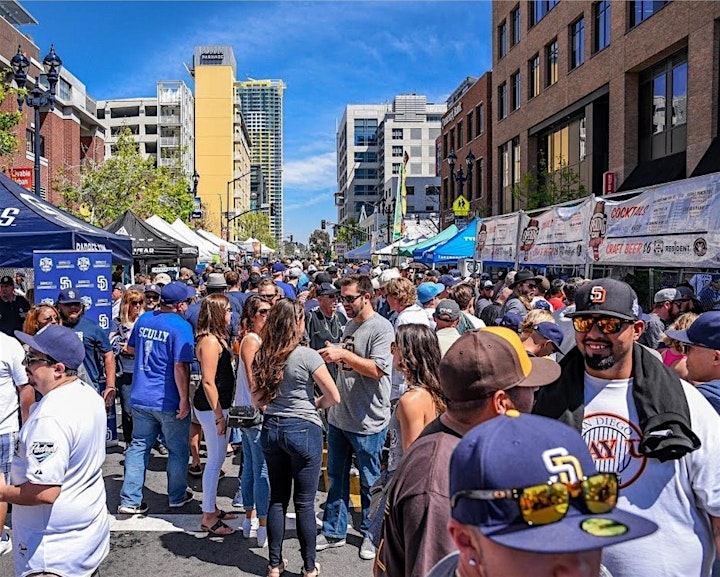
<point x="37" y="98"/>
<point x="459" y="176"/>
<point x="387" y="210"/>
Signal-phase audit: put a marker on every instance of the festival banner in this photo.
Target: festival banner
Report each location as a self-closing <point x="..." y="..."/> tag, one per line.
<point x="496" y="238"/>
<point x="557" y="236"/>
<point x="674" y="224"/>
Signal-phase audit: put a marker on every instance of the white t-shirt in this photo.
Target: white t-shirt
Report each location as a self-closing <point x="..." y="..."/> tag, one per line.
<point x="12" y="375"/>
<point x="677" y="495"/>
<point x="413" y="314"/>
<point x="63" y="443"/>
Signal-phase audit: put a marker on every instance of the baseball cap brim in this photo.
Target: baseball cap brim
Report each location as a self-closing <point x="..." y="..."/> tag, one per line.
<point x="601" y="313"/>
<point x="680" y="336"/>
<point x="30" y="341"/>
<point x="544" y="372"/>
<point x="574" y="533"/>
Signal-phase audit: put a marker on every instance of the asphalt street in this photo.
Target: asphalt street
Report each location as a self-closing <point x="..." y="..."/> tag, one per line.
<point x="167" y="542"/>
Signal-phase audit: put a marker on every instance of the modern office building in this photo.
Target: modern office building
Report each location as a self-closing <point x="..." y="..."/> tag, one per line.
<point x="260" y="104"/>
<point x="69" y="134"/>
<point x="371" y="142"/>
<point x="624" y="88"/>
<point x="138" y="115"/>
<point x="467" y="132"/>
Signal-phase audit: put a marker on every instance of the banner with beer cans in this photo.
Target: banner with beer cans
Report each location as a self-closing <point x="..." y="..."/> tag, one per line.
<point x="496" y="237"/>
<point x="675" y="224"/>
<point x="557" y="236"/>
<point x="89" y="273"/>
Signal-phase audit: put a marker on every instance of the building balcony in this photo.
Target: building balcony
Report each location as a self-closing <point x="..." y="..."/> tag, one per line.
<point x="169" y="162"/>
<point x="169" y="141"/>
<point x="169" y="120"/>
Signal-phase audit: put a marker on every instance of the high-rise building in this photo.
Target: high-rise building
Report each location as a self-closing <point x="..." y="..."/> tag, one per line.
<point x="371" y="142"/>
<point x="261" y="106"/>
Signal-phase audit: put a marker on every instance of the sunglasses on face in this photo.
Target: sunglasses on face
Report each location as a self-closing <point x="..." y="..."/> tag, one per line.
<point x="136" y="303"/>
<point x="31" y="359"/>
<point x="549" y="503"/>
<point x="267" y="298"/>
<point x="607" y="325"/>
<point x="152" y="297"/>
<point x="348" y="299"/>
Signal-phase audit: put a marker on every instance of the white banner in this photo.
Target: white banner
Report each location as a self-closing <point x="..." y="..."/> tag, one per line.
<point x="496" y="237"/>
<point x="557" y="236"/>
<point x="674" y="224"/>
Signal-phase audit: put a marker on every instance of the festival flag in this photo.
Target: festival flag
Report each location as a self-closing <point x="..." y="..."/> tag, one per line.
<point x="400" y="201"/>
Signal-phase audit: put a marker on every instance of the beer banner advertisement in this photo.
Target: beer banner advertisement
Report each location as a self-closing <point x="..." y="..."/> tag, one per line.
<point x="557" y="236"/>
<point x="676" y="224"/>
<point x="89" y="273"/>
<point x="497" y="237"/>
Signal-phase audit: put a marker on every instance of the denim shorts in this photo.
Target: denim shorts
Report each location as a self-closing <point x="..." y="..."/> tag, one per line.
<point x="7" y="449"/>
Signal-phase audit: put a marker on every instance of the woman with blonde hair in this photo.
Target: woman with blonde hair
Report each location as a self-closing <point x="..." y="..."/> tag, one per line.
<point x="284" y="375"/>
<point x="674" y="355"/>
<point x="40" y="316"/>
<point x="131" y="307"/>
<point x="212" y="402"/>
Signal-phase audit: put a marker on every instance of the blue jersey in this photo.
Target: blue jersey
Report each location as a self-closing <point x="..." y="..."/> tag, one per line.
<point x="160" y="340"/>
<point x="96" y="344"/>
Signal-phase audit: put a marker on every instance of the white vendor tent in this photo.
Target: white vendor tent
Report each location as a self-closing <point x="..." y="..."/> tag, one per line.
<point x="206" y="250"/>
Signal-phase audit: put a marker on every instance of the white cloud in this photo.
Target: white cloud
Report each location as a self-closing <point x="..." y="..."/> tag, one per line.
<point x="311" y="173"/>
<point x="303" y="203"/>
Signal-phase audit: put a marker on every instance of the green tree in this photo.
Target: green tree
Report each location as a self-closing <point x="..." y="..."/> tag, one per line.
<point x="254" y="224"/>
<point x="124" y="181"/>
<point x="350" y="234"/>
<point x="319" y="242"/>
<point x="8" y="120"/>
<point x="541" y="188"/>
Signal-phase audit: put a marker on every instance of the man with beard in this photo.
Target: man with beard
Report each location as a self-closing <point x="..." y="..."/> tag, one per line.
<point x="357" y="425"/>
<point x="324" y="323"/>
<point x="13" y="307"/>
<point x="151" y="297"/>
<point x="636" y="417"/>
<point x="99" y="358"/>
<point x="523" y="290"/>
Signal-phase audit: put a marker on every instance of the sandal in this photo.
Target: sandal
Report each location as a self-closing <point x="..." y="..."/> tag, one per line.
<point x="216" y="529"/>
<point x="314" y="573"/>
<point x="229" y="515"/>
<point x="277" y="571"/>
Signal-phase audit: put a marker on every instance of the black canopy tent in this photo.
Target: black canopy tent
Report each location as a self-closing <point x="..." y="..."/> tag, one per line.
<point x="150" y="246"/>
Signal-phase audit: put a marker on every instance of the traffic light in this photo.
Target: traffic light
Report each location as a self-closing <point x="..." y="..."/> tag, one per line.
<point x="291" y="238"/>
<point x="322" y="224"/>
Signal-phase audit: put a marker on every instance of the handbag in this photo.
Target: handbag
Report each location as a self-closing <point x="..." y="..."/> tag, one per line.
<point x="379" y="493"/>
<point x="244" y="416"/>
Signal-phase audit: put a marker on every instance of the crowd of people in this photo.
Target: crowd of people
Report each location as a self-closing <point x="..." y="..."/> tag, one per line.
<point x="417" y="382"/>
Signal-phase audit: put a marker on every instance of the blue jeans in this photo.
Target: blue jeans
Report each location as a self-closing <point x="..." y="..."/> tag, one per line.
<point x="292" y="445"/>
<point x="124" y="388"/>
<point x="147" y="425"/>
<point x="341" y="446"/>
<point x="254" y="482"/>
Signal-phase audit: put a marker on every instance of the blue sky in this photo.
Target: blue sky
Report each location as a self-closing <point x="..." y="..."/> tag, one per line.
<point x="329" y="54"/>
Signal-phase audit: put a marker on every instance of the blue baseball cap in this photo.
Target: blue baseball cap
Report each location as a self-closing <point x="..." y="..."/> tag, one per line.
<point x="176" y="292"/>
<point x="278" y="267"/>
<point x="551" y="332"/>
<point x="60" y="343"/>
<point x="68" y="296"/>
<point x="511" y="321"/>
<point x="448" y="280"/>
<point x="515" y="451"/>
<point x="705" y="331"/>
<point x="429" y="290"/>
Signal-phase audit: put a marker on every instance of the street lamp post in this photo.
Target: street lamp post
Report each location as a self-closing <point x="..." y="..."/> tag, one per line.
<point x="387" y="210"/>
<point x="459" y="177"/>
<point x="37" y="98"/>
<point x="227" y="204"/>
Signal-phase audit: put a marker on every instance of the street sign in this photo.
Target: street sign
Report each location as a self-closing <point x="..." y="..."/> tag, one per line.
<point x="340" y="248"/>
<point x="23" y="176"/>
<point x="461" y="206"/>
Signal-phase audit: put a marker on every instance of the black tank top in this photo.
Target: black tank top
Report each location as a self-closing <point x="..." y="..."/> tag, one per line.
<point x="224" y="381"/>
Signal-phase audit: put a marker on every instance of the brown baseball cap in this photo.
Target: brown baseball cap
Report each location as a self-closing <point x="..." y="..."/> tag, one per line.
<point x="491" y="359"/>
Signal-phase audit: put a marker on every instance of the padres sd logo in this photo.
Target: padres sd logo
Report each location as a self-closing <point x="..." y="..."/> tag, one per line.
<point x="614" y="445"/>
<point x="597" y="295"/>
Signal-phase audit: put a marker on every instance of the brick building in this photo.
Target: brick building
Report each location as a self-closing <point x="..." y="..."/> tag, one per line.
<point x="629" y="88"/>
<point x="467" y="127"/>
<point x="70" y="133"/>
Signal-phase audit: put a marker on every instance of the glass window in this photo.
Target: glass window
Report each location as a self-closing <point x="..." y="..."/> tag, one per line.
<point x="397" y="151"/>
<point x="583" y="139"/>
<point x="479" y="119"/>
<point x="396" y="168"/>
<point x="551" y="57"/>
<point x="459" y="128"/>
<point x="397" y="133"/>
<point x="557" y="147"/>
<point x="505" y="165"/>
<point x="416" y="134"/>
<point x="515" y="82"/>
<point x="643" y="9"/>
<point x="534" y="76"/>
<point x="577" y="43"/>
<point x="658" y="115"/>
<point x="679" y="94"/>
<point x="601" y="11"/>
<point x="540" y="8"/>
<point x="365" y="131"/>
<point x="470" y="126"/>
<point x="502" y="39"/>
<point x="502" y="101"/>
<point x="515" y="24"/>
<point x="515" y="160"/>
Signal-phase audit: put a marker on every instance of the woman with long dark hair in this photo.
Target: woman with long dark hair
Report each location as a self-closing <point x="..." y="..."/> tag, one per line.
<point x="212" y="402"/>
<point x="254" y="483"/>
<point x="283" y="378"/>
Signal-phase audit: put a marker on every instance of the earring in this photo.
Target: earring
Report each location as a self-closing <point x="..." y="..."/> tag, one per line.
<point x="472" y="562"/>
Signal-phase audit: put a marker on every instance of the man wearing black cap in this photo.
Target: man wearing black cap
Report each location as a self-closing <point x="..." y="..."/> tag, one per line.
<point x="56" y="485"/>
<point x="641" y="421"/>
<point x="13" y="307"/>
<point x="164" y="348"/>
<point x="524" y="520"/>
<point x="324" y="323"/>
<point x="484" y="374"/>
<point x="485" y="298"/>
<point x="117" y="293"/>
<point x="523" y="289"/>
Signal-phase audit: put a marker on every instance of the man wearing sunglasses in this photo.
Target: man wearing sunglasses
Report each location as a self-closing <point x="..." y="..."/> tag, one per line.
<point x="641" y="421"/>
<point x="324" y="323"/>
<point x="526" y="499"/>
<point x="523" y="290"/>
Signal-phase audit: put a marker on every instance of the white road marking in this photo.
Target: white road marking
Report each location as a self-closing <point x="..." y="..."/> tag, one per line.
<point x="178" y="523"/>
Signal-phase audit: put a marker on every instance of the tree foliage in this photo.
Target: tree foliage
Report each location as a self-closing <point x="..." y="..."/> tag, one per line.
<point x="8" y="120"/>
<point x="124" y="181"/>
<point x="350" y="234"/>
<point x="255" y="224"/>
<point x="541" y="188"/>
<point x="319" y="242"/>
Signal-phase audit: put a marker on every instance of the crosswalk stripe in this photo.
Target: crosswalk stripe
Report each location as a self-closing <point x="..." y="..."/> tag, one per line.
<point x="178" y="523"/>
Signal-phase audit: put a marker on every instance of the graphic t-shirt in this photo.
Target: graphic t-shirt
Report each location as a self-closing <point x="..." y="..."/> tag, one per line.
<point x="160" y="340"/>
<point x="677" y="495"/>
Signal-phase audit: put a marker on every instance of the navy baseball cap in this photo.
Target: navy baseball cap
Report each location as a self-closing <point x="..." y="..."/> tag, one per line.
<point x="327" y="289"/>
<point x="448" y="280"/>
<point x="429" y="290"/>
<point x="510" y="321"/>
<point x="551" y="332"/>
<point x="704" y="331"/>
<point x="176" y="292"/>
<point x="278" y="267"/>
<point x="152" y="288"/>
<point x="515" y="451"/>
<point x="68" y="296"/>
<point x="607" y="296"/>
<point x="60" y="343"/>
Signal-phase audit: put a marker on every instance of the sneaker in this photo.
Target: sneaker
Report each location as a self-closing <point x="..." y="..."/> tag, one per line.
<point x="367" y="549"/>
<point x="250" y="527"/>
<point x="161" y="449"/>
<point x="5" y="544"/>
<point x="324" y="542"/>
<point x="195" y="470"/>
<point x="237" y="501"/>
<point x="186" y="499"/>
<point x="261" y="536"/>
<point x="133" y="509"/>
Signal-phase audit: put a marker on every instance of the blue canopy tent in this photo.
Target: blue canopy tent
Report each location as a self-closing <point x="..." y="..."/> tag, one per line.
<point x="416" y="250"/>
<point x="28" y="223"/>
<point x="363" y="252"/>
<point x="462" y="245"/>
